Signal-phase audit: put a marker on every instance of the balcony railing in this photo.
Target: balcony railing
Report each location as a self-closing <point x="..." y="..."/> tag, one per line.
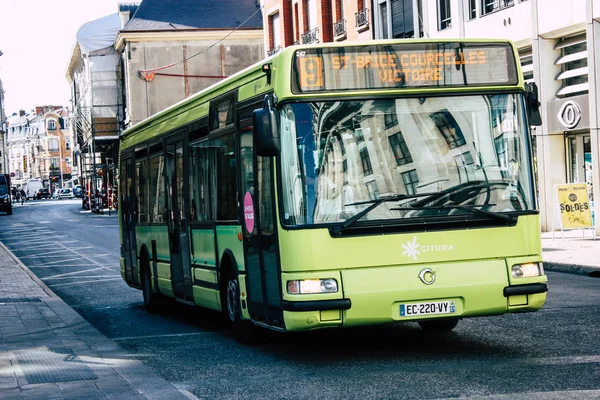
<point x="311" y="36"/>
<point x="362" y="19"/>
<point x="296" y="43"/>
<point x="274" y="50"/>
<point x="339" y="28"/>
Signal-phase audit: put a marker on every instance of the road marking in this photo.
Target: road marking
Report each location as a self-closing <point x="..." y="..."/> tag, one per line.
<point x="121" y="339"/>
<point x="29" y="236"/>
<point x="71" y="273"/>
<point x="558" y="395"/>
<point x="41" y="245"/>
<point x="31" y="233"/>
<point x="44" y="222"/>
<point x="80" y="282"/>
<point x="58" y="261"/>
<point x="108" y="268"/>
<point x="79" y="277"/>
<point x="39" y="240"/>
<point x="34" y="248"/>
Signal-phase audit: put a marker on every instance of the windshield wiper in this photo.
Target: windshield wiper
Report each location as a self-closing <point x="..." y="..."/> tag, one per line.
<point x="474" y="208"/>
<point x="337" y="229"/>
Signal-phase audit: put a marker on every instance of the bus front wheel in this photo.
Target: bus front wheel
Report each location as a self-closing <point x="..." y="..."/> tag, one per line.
<point x="439" y="325"/>
<point x="244" y="330"/>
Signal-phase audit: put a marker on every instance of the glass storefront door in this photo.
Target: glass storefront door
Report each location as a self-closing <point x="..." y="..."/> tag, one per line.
<point x="579" y="161"/>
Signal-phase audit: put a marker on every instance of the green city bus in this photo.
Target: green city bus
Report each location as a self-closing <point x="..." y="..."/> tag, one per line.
<point x="341" y="185"/>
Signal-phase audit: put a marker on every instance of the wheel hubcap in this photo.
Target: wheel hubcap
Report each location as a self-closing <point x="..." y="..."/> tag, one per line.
<point x="232" y="299"/>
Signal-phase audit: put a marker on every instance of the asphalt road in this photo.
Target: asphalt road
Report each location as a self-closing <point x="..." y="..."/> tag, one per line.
<point x="551" y="354"/>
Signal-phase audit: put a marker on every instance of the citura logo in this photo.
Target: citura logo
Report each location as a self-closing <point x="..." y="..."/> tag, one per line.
<point x="412" y="248"/>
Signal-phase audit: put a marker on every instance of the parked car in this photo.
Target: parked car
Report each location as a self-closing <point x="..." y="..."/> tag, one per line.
<point x="66" y="193"/>
<point x="43" y="193"/>
<point x="78" y="191"/>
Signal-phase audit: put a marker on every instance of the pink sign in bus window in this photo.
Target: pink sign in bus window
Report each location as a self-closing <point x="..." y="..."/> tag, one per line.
<point x="249" y="212"/>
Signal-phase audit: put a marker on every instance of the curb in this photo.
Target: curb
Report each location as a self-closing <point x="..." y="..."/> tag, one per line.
<point x="585" y="270"/>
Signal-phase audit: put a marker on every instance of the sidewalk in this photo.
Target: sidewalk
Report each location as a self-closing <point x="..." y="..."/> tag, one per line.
<point x="573" y="254"/>
<point x="48" y="351"/>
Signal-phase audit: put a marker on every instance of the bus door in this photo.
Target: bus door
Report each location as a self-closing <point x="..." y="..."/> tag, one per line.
<point x="129" y="215"/>
<point x="181" y="277"/>
<point x="260" y="236"/>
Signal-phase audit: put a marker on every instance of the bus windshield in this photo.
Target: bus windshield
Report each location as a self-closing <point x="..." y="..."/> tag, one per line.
<point x="412" y="158"/>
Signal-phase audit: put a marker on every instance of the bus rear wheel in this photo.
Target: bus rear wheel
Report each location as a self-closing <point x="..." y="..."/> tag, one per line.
<point x="244" y="330"/>
<point x="439" y="325"/>
<point x="151" y="300"/>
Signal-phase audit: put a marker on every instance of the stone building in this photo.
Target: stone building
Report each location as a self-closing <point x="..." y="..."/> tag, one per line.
<point x="171" y="49"/>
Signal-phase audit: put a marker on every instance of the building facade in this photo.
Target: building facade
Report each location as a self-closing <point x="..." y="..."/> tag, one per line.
<point x="93" y="76"/>
<point x="171" y="49"/>
<point x="39" y="146"/>
<point x="289" y="22"/>
<point x="22" y="140"/>
<point x="55" y="161"/>
<point x="3" y="154"/>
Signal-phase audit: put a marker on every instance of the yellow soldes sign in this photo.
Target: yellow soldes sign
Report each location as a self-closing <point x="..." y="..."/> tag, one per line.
<point x="574" y="206"/>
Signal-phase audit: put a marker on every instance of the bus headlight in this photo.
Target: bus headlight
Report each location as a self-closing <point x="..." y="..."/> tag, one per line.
<point x="312" y="286"/>
<point x="527" y="270"/>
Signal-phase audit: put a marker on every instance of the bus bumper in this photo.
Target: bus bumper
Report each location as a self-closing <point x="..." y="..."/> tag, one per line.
<point x="379" y="295"/>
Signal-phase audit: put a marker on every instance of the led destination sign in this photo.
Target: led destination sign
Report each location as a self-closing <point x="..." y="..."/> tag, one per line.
<point x="404" y="65"/>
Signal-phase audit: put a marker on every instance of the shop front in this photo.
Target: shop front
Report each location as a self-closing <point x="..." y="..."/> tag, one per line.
<point x="571" y="117"/>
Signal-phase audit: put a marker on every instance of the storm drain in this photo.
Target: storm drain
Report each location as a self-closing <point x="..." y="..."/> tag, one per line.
<point x="52" y="365"/>
<point x="4" y="300"/>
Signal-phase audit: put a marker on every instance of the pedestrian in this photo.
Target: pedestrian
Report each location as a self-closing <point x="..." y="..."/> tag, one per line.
<point x="27" y="197"/>
<point x="23" y="195"/>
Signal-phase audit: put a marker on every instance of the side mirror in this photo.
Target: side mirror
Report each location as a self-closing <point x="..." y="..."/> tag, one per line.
<point x="266" y="136"/>
<point x="533" y="105"/>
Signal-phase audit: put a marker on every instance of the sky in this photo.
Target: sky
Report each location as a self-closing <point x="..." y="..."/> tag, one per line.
<point x="36" y="39"/>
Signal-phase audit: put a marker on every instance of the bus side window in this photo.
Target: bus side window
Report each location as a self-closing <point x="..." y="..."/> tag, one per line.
<point x="142" y="191"/>
<point x="156" y="204"/>
<point x="226" y="179"/>
<point x="199" y="192"/>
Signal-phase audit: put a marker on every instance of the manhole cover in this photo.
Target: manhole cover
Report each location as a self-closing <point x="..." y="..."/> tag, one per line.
<point x="52" y="365"/>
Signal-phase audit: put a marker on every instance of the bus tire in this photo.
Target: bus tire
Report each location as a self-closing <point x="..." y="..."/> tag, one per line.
<point x="244" y="330"/>
<point x="439" y="325"/>
<point x="151" y="299"/>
